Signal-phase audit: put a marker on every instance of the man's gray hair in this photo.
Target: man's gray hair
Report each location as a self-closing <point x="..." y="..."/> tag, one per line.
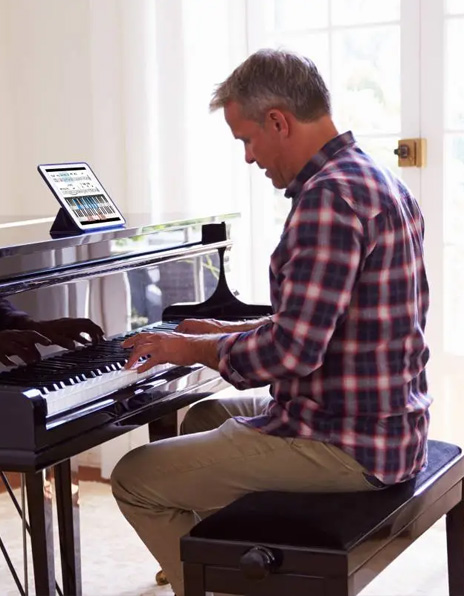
<point x="275" y="79"/>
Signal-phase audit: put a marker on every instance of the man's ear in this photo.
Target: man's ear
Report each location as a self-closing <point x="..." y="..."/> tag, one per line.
<point x="278" y="121"/>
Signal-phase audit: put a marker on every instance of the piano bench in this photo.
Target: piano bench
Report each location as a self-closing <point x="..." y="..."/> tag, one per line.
<point x="276" y="543"/>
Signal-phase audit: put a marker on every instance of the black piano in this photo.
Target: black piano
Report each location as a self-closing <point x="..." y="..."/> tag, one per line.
<point x="143" y="277"/>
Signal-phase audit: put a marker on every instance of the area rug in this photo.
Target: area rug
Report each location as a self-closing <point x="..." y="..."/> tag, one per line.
<point x="116" y="563"/>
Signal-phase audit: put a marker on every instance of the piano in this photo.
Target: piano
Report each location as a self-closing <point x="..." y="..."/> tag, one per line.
<point x="141" y="277"/>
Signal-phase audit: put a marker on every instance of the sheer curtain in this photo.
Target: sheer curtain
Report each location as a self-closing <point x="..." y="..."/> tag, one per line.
<point x="124" y="85"/>
<point x="153" y="71"/>
<point x="178" y="160"/>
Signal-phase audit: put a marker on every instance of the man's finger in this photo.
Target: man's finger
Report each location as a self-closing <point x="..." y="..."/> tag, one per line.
<point x="144" y="350"/>
<point x="95" y="332"/>
<point x="83" y="340"/>
<point x="28" y="354"/>
<point x="30" y="338"/>
<point x="64" y="342"/>
<point x="43" y="341"/>
<point x="133" y="359"/>
<point x="136" y="340"/>
<point x="149" y="363"/>
<point x="24" y="345"/>
<point x="5" y="360"/>
<point x="129" y="342"/>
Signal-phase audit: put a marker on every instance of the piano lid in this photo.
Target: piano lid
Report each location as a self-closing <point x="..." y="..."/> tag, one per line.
<point x="33" y="235"/>
<point x="26" y="247"/>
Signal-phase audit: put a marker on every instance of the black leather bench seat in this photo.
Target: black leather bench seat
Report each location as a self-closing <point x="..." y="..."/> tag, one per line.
<point x="319" y="519"/>
<point x="325" y="544"/>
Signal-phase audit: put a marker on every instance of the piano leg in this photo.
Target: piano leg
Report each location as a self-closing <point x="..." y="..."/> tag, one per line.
<point x="39" y="503"/>
<point x="163" y="428"/>
<point x="67" y="505"/>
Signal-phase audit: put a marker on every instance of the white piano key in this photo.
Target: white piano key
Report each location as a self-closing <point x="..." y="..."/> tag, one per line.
<point x="75" y="395"/>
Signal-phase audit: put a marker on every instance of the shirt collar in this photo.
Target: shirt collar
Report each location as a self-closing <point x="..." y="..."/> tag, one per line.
<point x="328" y="151"/>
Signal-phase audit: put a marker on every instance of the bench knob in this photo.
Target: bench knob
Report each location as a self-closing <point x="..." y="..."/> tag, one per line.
<point x="257" y="563"/>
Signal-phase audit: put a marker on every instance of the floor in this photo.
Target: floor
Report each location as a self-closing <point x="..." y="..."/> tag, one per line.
<point x="115" y="563"/>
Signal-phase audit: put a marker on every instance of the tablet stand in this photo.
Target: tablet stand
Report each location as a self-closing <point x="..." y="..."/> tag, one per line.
<point x="64" y="225"/>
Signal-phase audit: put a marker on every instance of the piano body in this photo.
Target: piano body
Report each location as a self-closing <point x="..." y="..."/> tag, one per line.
<point x="127" y="280"/>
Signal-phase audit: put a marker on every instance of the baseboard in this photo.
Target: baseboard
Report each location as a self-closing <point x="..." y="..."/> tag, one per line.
<point x="86" y="474"/>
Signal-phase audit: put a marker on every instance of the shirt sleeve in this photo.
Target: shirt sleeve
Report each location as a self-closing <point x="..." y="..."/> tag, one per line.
<point x="8" y="314"/>
<point x="315" y="267"/>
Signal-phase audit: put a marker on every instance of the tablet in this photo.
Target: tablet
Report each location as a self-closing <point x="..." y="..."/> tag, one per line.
<point x="81" y="195"/>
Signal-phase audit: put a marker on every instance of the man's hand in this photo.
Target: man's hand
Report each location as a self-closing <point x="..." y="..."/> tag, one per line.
<point x="202" y="326"/>
<point x="175" y="348"/>
<point x="21" y="344"/>
<point x="208" y="326"/>
<point x="65" y="332"/>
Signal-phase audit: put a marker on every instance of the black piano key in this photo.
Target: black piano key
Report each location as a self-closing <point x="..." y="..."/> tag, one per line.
<point x="71" y="367"/>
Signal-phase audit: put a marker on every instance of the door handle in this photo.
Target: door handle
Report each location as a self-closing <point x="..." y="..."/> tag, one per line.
<point x="411" y="152"/>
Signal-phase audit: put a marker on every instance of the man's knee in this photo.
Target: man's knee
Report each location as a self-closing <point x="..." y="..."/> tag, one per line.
<point x="123" y="475"/>
<point x="204" y="415"/>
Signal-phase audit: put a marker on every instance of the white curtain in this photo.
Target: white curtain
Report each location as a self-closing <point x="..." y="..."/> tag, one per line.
<point x="124" y="85"/>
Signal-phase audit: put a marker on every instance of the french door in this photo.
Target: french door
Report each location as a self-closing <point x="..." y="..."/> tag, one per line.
<point x="395" y="71"/>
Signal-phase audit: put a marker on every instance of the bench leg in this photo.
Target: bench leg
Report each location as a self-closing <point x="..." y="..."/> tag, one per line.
<point x="194" y="584"/>
<point x="455" y="545"/>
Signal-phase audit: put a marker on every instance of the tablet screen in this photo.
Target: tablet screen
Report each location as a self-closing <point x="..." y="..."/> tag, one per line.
<point x="80" y="192"/>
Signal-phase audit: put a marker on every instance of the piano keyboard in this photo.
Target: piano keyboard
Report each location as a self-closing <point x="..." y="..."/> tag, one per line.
<point x="70" y="379"/>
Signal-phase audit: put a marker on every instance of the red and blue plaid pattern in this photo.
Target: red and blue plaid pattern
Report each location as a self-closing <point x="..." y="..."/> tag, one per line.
<point x="345" y="352"/>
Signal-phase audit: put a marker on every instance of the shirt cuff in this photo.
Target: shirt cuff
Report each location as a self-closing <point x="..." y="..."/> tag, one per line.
<point x="226" y="370"/>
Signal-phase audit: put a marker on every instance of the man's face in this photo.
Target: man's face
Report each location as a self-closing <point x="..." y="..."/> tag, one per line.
<point x="263" y="142"/>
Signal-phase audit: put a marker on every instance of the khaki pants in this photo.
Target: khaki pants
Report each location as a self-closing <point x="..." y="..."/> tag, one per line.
<point x="165" y="487"/>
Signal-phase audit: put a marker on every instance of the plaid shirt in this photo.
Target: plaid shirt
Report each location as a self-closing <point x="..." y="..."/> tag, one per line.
<point x="344" y="351"/>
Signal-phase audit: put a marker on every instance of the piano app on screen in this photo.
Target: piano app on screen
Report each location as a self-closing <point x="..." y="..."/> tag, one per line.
<point x="82" y="195"/>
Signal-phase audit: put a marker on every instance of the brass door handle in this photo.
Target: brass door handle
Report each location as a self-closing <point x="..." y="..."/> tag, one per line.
<point x="411" y="152"/>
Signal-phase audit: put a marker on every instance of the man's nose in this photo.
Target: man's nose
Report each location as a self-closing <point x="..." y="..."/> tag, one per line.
<point x="249" y="158"/>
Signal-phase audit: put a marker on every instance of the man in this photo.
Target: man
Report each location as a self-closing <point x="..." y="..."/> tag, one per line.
<point x="20" y="335"/>
<point x="344" y="351"/>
